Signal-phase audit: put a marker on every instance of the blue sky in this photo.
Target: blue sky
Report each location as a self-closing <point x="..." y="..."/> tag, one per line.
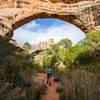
<point x="44" y="29"/>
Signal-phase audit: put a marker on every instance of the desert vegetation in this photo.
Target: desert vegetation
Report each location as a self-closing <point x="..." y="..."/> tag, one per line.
<point x="16" y="70"/>
<point x="85" y="55"/>
<point x="76" y="67"/>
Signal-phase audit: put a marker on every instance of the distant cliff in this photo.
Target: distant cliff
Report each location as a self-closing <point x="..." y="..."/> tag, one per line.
<point x="45" y="44"/>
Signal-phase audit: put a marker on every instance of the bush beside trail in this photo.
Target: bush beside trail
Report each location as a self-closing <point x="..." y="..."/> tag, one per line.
<point x="16" y="70"/>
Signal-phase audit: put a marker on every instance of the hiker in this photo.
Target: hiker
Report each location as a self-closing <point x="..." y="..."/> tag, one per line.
<point x="49" y="74"/>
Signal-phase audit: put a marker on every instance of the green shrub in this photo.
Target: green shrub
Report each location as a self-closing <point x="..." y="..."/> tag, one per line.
<point x="59" y="90"/>
<point x="36" y="92"/>
<point x="15" y="67"/>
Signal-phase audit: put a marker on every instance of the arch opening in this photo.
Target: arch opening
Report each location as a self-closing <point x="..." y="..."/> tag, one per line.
<point x="44" y="29"/>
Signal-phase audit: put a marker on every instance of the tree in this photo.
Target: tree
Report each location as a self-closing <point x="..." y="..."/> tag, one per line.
<point x="13" y="64"/>
<point x="83" y="42"/>
<point x="93" y="38"/>
<point x="66" y="42"/>
<point x="27" y="45"/>
<point x="94" y="41"/>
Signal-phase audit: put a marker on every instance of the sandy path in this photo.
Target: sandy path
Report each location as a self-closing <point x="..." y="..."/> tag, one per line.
<point x="51" y="91"/>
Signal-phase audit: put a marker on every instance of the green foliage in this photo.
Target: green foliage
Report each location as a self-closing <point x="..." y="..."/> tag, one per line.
<point x="16" y="70"/>
<point x="83" y="43"/>
<point x="65" y="42"/>
<point x="84" y="55"/>
<point x="93" y="38"/>
<point x="71" y="54"/>
<point x="59" y="90"/>
<point x="35" y="93"/>
<point x="14" y="66"/>
<point x="47" y="60"/>
<point x="27" y="45"/>
<point x="94" y="41"/>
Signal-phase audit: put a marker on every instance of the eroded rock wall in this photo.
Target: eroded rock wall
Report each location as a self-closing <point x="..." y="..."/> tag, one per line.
<point x="85" y="14"/>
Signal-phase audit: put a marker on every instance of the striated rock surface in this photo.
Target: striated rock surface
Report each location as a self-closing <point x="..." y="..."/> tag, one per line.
<point x="85" y="14"/>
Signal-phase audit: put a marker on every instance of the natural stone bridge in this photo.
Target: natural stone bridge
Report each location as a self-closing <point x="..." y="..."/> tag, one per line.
<point x="83" y="14"/>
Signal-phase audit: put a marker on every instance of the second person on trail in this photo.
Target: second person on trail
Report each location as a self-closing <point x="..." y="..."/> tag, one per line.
<point x="49" y="74"/>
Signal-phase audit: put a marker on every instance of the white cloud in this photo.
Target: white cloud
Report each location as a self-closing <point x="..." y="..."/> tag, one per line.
<point x="29" y="25"/>
<point x="22" y="35"/>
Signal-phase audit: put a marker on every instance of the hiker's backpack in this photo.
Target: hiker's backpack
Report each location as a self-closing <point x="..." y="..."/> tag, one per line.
<point x="49" y="71"/>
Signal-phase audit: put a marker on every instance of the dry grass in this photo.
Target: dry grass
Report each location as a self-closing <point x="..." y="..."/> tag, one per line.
<point x="80" y="85"/>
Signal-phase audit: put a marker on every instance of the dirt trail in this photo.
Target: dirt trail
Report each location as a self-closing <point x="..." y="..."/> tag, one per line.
<point x="51" y="91"/>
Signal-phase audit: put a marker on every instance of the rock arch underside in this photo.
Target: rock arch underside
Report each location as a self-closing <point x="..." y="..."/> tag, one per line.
<point x="85" y="14"/>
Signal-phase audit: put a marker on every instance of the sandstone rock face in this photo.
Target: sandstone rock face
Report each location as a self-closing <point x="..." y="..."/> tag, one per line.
<point x="85" y="14"/>
<point x="45" y="44"/>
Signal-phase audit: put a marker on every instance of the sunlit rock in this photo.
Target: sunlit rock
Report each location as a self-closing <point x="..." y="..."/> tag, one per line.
<point x="82" y="13"/>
